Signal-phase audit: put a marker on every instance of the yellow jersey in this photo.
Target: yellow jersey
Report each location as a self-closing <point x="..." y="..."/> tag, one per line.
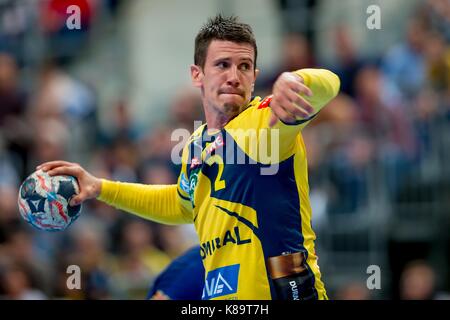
<point x="245" y="188"/>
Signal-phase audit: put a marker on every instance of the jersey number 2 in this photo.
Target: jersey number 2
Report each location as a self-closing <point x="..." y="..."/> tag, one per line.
<point x="218" y="183"/>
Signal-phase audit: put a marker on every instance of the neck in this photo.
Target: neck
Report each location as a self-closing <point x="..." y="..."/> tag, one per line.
<point x="216" y="121"/>
<point x="216" y="118"/>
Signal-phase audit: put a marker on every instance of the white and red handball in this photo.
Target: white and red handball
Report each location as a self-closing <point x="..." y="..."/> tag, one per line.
<point x="44" y="201"/>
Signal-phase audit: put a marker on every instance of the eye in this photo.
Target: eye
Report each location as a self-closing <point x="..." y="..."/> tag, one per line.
<point x="222" y="64"/>
<point x="245" y="66"/>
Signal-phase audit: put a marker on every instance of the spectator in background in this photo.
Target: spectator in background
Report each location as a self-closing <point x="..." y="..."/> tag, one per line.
<point x="16" y="21"/>
<point x="12" y="109"/>
<point x="9" y="217"/>
<point x="295" y="54"/>
<point x="89" y="244"/>
<point x="139" y="261"/>
<point x="353" y="290"/>
<point x="437" y="13"/>
<point x="186" y="108"/>
<point x="11" y="99"/>
<point x="157" y="172"/>
<point x="329" y="141"/>
<point x="156" y="145"/>
<point x="17" y="283"/>
<point x="426" y="114"/>
<point x="348" y="62"/>
<point x="123" y="160"/>
<point x="51" y="139"/>
<point x="418" y="282"/>
<point x="59" y="94"/>
<point x="8" y="174"/>
<point x="121" y="125"/>
<point x="349" y="167"/>
<point x="437" y="58"/>
<point x="20" y="249"/>
<point x="63" y="41"/>
<point x="388" y="126"/>
<point x="404" y="66"/>
<point x="176" y="239"/>
<point x="67" y="100"/>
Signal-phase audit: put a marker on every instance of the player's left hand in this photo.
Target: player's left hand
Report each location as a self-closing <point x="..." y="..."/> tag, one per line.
<point x="287" y="104"/>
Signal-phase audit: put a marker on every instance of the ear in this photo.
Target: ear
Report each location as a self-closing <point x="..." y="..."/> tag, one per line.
<point x="196" y="76"/>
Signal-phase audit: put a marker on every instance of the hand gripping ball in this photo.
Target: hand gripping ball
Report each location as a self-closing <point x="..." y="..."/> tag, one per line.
<point x="44" y="201"/>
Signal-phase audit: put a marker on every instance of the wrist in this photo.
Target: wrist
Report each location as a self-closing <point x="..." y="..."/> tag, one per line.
<point x="299" y="76"/>
<point x="98" y="187"/>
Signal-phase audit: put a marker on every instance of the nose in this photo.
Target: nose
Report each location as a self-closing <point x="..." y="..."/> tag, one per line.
<point x="233" y="77"/>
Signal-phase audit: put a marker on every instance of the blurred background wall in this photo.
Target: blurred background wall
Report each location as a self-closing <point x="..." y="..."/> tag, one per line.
<point x="109" y="95"/>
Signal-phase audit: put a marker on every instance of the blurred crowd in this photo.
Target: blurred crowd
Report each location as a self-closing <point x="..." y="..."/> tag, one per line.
<point x="387" y="117"/>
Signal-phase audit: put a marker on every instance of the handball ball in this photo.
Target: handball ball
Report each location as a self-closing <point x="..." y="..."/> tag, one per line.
<point x="44" y="201"/>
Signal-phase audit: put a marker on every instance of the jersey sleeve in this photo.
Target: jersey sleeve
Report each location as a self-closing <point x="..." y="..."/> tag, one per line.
<point x="325" y="86"/>
<point x="159" y="203"/>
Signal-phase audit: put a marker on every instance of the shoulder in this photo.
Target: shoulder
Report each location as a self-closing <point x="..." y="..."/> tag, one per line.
<point x="255" y="114"/>
<point x="197" y="134"/>
<point x="195" y="139"/>
<point x="258" y="103"/>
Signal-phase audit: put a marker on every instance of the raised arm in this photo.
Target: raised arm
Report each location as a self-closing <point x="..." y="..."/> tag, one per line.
<point x="298" y="96"/>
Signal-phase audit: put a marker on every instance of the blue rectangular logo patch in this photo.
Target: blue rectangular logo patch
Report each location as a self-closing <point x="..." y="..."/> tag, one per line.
<point x="221" y="282"/>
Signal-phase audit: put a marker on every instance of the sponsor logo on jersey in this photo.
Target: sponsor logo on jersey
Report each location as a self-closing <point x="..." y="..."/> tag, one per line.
<point x="221" y="282"/>
<point x="231" y="236"/>
<point x="184" y="183"/>
<point x="193" y="179"/>
<point x="294" y="289"/>
<point x="265" y="103"/>
<point x="218" y="142"/>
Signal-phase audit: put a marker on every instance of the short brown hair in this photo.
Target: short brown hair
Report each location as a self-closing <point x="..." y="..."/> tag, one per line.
<point x="222" y="28"/>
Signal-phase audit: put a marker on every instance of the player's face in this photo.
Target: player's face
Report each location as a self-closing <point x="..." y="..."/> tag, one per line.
<point x="228" y="76"/>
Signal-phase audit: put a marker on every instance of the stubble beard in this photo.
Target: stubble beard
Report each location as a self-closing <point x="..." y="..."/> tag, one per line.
<point x="225" y="112"/>
<point x="231" y="109"/>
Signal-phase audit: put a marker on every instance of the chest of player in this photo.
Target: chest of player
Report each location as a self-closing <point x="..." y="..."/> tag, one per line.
<point x="235" y="200"/>
<point x="217" y="166"/>
<point x="221" y="168"/>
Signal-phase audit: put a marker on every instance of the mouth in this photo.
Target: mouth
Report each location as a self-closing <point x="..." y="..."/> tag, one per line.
<point x="237" y="93"/>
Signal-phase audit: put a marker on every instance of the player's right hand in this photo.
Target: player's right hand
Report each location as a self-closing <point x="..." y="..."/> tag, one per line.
<point x="287" y="103"/>
<point x="90" y="186"/>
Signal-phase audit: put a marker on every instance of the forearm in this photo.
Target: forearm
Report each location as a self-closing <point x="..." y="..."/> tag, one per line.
<point x="158" y="203"/>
